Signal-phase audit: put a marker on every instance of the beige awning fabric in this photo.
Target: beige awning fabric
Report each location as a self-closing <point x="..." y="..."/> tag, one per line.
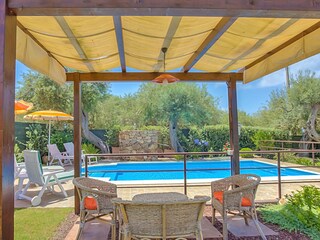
<point x="33" y="56"/>
<point x="91" y="44"/>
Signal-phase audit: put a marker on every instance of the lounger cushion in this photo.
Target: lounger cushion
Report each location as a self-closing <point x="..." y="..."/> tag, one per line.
<point x="90" y="203"/>
<point x="244" y="203"/>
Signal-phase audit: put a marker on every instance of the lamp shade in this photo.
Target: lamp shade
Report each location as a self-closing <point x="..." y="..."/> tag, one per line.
<point x="165" y="78"/>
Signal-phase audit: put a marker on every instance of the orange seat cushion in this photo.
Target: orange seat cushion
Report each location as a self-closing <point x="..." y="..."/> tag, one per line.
<point x="90" y="203"/>
<point x="246" y="202"/>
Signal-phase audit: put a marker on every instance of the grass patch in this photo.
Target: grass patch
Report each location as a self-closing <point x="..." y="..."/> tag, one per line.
<point x="38" y="223"/>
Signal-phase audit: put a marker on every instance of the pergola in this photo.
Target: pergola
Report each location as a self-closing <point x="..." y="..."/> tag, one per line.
<point x="225" y="40"/>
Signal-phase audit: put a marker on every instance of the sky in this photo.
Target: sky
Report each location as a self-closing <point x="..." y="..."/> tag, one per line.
<point x="251" y="96"/>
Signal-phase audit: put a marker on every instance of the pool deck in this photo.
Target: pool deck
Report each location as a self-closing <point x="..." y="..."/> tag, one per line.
<point x="266" y="191"/>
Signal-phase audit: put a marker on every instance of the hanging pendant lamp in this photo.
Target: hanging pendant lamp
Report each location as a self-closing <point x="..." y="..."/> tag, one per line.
<point x="165" y="78"/>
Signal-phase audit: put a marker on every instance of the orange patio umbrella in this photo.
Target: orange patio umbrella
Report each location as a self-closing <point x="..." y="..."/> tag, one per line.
<point x="49" y="115"/>
<point x="21" y="107"/>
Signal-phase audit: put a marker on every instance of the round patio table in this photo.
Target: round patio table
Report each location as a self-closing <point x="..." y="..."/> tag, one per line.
<point x="159" y="197"/>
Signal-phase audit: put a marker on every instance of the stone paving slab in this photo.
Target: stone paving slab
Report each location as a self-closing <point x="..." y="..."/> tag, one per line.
<point x="98" y="229"/>
<point x="236" y="225"/>
<point x="208" y="230"/>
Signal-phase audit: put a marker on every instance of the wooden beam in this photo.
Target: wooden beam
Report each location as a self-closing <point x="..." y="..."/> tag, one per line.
<point x="146" y="76"/>
<point x="211" y="39"/>
<point x="174" y="24"/>
<point x="77" y="136"/>
<point x="8" y="24"/>
<point x="259" y="43"/>
<point x="287" y="43"/>
<point x="118" y="29"/>
<point x="252" y="8"/>
<point x="72" y="38"/>
<point x="26" y="31"/>
<point x="233" y="126"/>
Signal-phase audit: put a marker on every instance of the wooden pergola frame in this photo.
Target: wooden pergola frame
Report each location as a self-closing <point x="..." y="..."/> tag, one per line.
<point x="229" y="10"/>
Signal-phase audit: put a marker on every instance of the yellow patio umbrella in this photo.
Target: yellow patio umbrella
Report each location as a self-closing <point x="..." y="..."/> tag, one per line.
<point x="49" y="115"/>
<point x="21" y="107"/>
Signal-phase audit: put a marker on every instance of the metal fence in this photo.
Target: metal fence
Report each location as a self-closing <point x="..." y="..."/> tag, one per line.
<point x="291" y="145"/>
<point x="186" y="155"/>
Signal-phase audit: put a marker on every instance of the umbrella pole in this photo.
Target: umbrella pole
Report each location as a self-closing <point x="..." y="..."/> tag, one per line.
<point x="49" y="131"/>
<point x="49" y="141"/>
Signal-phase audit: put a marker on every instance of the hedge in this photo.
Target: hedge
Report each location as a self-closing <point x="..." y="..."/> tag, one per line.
<point x="210" y="138"/>
<point x="218" y="135"/>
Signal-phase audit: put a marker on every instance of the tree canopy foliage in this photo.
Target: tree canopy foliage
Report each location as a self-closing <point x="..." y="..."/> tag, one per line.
<point x="44" y="93"/>
<point x="292" y="109"/>
<point x="179" y="105"/>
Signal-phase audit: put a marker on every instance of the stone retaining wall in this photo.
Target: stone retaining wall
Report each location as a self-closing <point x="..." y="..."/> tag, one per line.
<point x="137" y="141"/>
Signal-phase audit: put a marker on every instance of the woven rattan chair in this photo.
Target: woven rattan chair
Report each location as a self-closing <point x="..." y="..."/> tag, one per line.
<point x="161" y="220"/>
<point x="95" y="200"/>
<point x="236" y="195"/>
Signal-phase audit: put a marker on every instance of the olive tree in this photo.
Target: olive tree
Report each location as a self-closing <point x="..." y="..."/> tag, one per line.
<point x="177" y="104"/>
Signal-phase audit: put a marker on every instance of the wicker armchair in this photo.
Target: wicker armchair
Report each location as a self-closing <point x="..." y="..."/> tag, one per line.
<point x="95" y="200"/>
<point x="236" y="193"/>
<point x="161" y="220"/>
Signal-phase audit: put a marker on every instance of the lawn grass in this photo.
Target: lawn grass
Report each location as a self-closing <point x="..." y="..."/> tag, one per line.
<point x="38" y="223"/>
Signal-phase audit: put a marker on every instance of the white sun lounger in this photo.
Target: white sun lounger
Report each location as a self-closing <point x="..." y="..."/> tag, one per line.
<point x="45" y="179"/>
<point x="62" y="158"/>
<point x="20" y="172"/>
<point x="69" y="146"/>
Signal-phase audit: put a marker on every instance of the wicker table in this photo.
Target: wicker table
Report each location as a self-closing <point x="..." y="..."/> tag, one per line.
<point x="159" y="197"/>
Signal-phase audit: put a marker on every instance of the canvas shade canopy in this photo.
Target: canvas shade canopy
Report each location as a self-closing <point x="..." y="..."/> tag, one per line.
<point x="254" y="46"/>
<point x="49" y="115"/>
<point x="21" y="107"/>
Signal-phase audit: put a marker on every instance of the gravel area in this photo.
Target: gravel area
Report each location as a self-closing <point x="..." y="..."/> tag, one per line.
<point x="65" y="227"/>
<point x="283" y="234"/>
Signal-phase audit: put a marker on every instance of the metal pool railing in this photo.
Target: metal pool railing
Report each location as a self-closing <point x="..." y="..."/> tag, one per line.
<point x="186" y="155"/>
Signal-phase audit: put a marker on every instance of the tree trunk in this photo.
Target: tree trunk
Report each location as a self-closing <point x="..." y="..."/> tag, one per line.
<point x="175" y="144"/>
<point x="90" y="136"/>
<point x="304" y="138"/>
<point x="311" y="124"/>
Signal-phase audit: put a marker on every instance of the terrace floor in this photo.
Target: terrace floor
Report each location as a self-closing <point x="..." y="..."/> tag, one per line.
<point x="99" y="229"/>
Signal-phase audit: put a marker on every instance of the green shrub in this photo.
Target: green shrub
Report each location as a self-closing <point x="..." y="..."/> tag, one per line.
<point x="178" y="157"/>
<point x="287" y="157"/>
<point x="194" y="141"/>
<point x="18" y="153"/>
<point x="112" y="136"/>
<point x="304" y="161"/>
<point x="300" y="213"/>
<point x="37" y="138"/>
<point x="261" y="140"/>
<point x="308" y="197"/>
<point x="89" y="148"/>
<point x="60" y="137"/>
<point x="218" y="135"/>
<point x="246" y="155"/>
<point x="293" y="158"/>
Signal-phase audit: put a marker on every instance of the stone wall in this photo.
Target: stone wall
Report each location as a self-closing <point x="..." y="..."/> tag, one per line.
<point x="136" y="141"/>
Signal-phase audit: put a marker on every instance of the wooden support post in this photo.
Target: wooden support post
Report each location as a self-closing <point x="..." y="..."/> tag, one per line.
<point x="77" y="137"/>
<point x="233" y="126"/>
<point x="7" y="94"/>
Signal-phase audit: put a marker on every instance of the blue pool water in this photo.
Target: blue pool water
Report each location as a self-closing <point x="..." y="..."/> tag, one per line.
<point x="174" y="170"/>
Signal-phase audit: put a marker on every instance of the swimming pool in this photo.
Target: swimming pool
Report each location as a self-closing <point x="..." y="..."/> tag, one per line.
<point x="138" y="171"/>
